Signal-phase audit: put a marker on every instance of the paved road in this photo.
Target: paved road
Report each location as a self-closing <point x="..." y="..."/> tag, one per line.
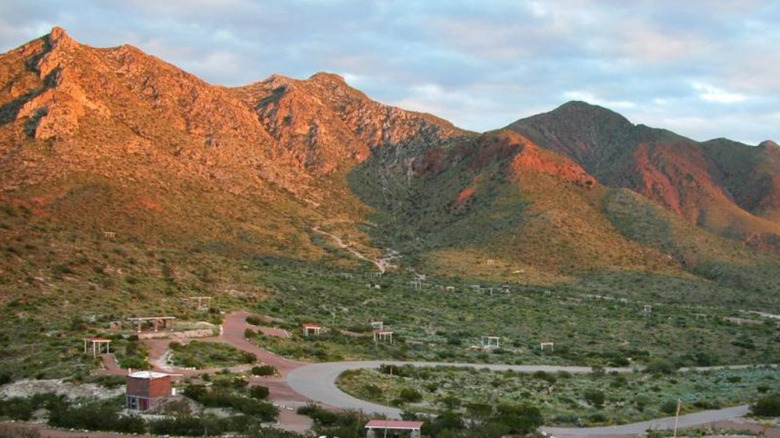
<point x="318" y="382"/>
<point x="685" y="421"/>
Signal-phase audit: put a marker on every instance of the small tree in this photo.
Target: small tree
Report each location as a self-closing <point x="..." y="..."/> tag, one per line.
<point x="595" y="398"/>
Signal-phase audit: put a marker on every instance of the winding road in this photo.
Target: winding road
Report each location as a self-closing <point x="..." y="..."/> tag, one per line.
<point x="300" y="382"/>
<point x="318" y="383"/>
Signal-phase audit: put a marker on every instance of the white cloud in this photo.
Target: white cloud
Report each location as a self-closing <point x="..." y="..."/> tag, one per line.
<point x="710" y="93"/>
<point x="676" y="67"/>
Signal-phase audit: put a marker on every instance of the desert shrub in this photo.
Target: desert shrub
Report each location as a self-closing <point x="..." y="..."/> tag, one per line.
<point x="518" y="419"/>
<point x="95" y="416"/>
<point x="450" y="402"/>
<point x="595" y="397"/>
<point x="17" y="408"/>
<point x="542" y="375"/>
<point x="410" y="395"/>
<point x="253" y="319"/>
<point x="668" y="406"/>
<point x="767" y="406"/>
<point x="660" y="366"/>
<point x="187" y="426"/>
<point x="264" y="370"/>
<point x="259" y="392"/>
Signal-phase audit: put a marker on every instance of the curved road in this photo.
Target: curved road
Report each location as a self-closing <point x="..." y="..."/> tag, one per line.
<point x="318" y="382"/>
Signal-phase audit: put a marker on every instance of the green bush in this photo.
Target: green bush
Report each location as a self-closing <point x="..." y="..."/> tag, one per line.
<point x="518" y="418"/>
<point x="94" y="416"/>
<point x="264" y="370"/>
<point x="767" y="406"/>
<point x="259" y="392"/>
<point x="595" y="398"/>
<point x="253" y="320"/>
<point x="660" y="366"/>
<point x="410" y="395"/>
<point x="187" y="426"/>
<point x="668" y="406"/>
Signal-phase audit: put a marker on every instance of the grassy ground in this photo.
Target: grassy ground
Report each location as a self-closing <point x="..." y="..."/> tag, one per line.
<point x="436" y="324"/>
<point x="208" y="355"/>
<point x="59" y="286"/>
<point x="565" y="399"/>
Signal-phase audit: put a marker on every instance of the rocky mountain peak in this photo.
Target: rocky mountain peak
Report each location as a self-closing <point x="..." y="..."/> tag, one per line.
<point x="327" y="77"/>
<point x="769" y="144"/>
<point x="58" y="37"/>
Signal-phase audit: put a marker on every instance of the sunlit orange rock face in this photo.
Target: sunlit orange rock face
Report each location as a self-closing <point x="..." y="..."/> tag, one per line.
<point x="102" y="136"/>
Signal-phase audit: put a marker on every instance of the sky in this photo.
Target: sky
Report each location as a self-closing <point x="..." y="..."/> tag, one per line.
<point x="704" y="69"/>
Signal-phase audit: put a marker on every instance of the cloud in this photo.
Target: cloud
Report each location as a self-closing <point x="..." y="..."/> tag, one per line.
<point x="709" y="93"/>
<point x="481" y="66"/>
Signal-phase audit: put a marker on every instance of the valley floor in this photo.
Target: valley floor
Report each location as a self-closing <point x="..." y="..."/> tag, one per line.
<point x="300" y="383"/>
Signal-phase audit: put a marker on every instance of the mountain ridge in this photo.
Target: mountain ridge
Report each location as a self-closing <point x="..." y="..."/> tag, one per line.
<point x="98" y="139"/>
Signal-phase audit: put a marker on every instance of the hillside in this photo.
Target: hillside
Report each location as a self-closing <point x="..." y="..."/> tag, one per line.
<point x="726" y="187"/>
<point x="127" y="184"/>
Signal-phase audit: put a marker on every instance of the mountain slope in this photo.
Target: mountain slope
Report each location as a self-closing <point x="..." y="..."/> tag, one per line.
<point x="694" y="180"/>
<point x="117" y="140"/>
<point x="327" y="124"/>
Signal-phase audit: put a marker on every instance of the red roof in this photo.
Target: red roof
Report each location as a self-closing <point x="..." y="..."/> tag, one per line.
<point x="394" y="424"/>
<point x="311" y="326"/>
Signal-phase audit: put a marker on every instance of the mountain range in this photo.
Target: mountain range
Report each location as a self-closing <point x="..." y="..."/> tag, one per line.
<point x="96" y="141"/>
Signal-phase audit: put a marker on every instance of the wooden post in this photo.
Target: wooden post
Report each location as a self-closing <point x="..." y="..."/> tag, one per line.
<point x="677" y="416"/>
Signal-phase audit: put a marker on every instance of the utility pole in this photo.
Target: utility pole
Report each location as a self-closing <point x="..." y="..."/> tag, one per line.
<point x="677" y="416"/>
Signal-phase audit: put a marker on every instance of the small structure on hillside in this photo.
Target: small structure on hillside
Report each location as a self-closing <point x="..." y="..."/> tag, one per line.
<point x="311" y="329"/>
<point x="382" y="426"/>
<point x="450" y="288"/>
<point x="165" y="321"/>
<point x="490" y="342"/>
<point x="109" y="234"/>
<point x="115" y="326"/>
<point x="383" y="336"/>
<point x="97" y="345"/>
<point x="377" y="325"/>
<point x="648" y="308"/>
<point x="145" y="388"/>
<point x="201" y="303"/>
<point x="547" y="344"/>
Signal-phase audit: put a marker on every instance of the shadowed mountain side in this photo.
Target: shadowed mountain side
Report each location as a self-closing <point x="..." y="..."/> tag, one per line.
<point x="719" y="185"/>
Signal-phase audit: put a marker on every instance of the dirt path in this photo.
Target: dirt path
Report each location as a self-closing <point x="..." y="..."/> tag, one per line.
<point x="383" y="263"/>
<point x="233" y="333"/>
